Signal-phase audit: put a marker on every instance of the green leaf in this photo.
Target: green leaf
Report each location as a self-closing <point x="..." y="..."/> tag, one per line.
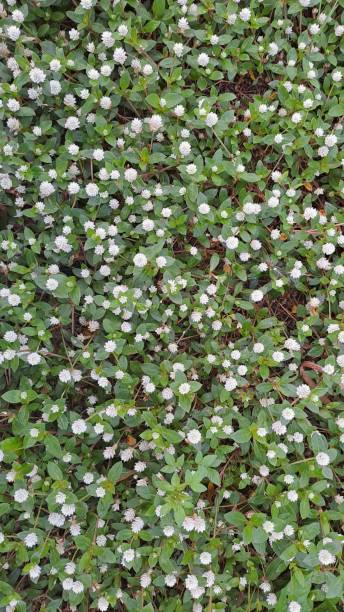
<point x="53" y="446"/>
<point x="158" y="8"/>
<point x="153" y="100"/>
<point x="337" y="110"/>
<point x="214" y="262"/>
<point x="318" y="442"/>
<point x="12" y="397"/>
<point x="11" y="445"/>
<point x="241" y="436"/>
<point x="236" y="518"/>
<point x="334" y="586"/>
<point x="4" y="508"/>
<point x="82" y="542"/>
<point x="54" y="471"/>
<point x="124" y="80"/>
<point x="115" y="472"/>
<point x="110" y="325"/>
<point x="107" y="556"/>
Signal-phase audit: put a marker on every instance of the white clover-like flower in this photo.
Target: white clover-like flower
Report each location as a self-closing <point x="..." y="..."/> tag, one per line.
<point x="245" y="14"/>
<point x="46" y="189"/>
<point x="130" y="175"/>
<point x="178" y="49"/>
<point x="79" y="426"/>
<point x="140" y="260"/>
<point x="322" y="459"/>
<point x="211" y="119"/>
<point x="72" y="123"/>
<point x="184" y="388"/>
<point x="194" y="436"/>
<point x="30" y="540"/>
<point x="34" y="359"/>
<point x="37" y="75"/>
<point x="204" y="208"/>
<point x="13" y="32"/>
<point x="185" y="148"/>
<point x="92" y="190"/>
<point x="119" y="55"/>
<point x="257" y="295"/>
<point x="326" y="558"/>
<point x="203" y="60"/>
<point x="21" y="496"/>
<point x="155" y="123"/>
<point x="303" y="391"/>
<point x="205" y="558"/>
<point x="102" y="604"/>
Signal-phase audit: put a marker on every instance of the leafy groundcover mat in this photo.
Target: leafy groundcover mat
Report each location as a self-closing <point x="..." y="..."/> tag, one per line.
<point x="172" y="305"/>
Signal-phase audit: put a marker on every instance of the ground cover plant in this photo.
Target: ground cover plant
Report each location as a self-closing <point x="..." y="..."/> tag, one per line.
<point x="172" y="305"/>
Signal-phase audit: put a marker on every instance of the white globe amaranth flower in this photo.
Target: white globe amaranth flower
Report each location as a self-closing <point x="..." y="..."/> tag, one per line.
<point x="155" y="123"/>
<point x="130" y="175"/>
<point x="185" y="148"/>
<point x="79" y="426"/>
<point x="140" y="260"/>
<point x="245" y="14"/>
<point x="119" y="55"/>
<point x="211" y="119"/>
<point x="325" y="557"/>
<point x="21" y="496"/>
<point x="92" y="190"/>
<point x="37" y="75"/>
<point x="203" y="60"/>
<point x="322" y="459"/>
<point x="46" y="189"/>
<point x="72" y="123"/>
<point x="194" y="436"/>
<point x="257" y="295"/>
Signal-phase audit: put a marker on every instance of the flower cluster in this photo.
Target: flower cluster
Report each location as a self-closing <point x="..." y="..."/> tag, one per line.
<point x="172" y="305"/>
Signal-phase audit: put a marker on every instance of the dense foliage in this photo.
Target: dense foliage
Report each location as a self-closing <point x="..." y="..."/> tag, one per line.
<point x="172" y="305"/>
